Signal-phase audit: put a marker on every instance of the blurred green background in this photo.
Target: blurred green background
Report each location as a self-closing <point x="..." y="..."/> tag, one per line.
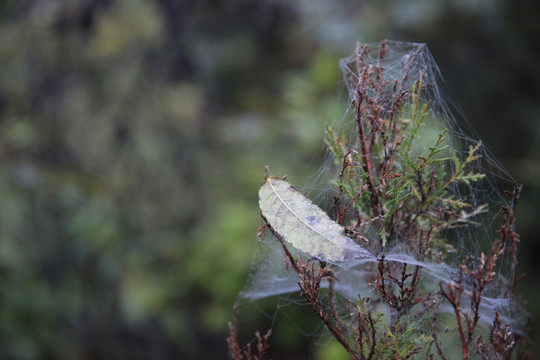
<point x="134" y="135"/>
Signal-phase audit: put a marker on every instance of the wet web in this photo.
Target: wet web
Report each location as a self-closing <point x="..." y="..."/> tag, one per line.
<point x="404" y="64"/>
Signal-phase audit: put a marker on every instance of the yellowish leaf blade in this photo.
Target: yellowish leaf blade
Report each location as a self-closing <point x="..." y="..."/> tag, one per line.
<point x="304" y="225"/>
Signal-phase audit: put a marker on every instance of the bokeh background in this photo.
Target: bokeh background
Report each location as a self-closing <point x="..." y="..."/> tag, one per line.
<point x="134" y="135"/>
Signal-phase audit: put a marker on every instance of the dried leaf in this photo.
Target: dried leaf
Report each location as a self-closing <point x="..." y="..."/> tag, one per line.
<point x="304" y="224"/>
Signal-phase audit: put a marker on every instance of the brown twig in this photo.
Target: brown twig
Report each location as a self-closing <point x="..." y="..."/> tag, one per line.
<point x="310" y="283"/>
<point x="235" y="352"/>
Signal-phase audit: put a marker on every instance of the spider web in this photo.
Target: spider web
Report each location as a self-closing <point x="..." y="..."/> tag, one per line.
<point x="404" y="64"/>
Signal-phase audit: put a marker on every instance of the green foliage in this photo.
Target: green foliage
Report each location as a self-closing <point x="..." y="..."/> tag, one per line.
<point x="410" y="185"/>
